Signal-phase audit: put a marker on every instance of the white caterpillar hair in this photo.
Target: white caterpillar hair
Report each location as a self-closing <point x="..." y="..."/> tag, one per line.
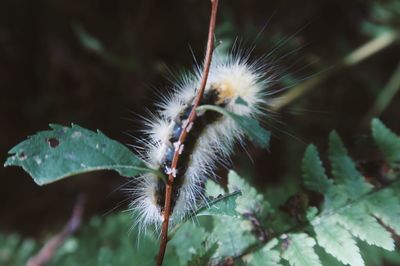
<point x="235" y="84"/>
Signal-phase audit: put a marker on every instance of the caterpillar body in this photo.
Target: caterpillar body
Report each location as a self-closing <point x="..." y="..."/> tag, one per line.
<point x="234" y="84"/>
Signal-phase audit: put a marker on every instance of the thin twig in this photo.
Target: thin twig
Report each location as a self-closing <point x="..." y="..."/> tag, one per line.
<point x="182" y="137"/>
<point x="385" y="96"/>
<point x="357" y="56"/>
<point x="48" y="250"/>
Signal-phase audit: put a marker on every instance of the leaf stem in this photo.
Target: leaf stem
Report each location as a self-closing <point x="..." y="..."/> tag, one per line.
<point x="182" y="137"/>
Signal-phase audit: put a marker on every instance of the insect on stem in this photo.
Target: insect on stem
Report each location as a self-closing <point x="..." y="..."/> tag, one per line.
<point x="183" y="135"/>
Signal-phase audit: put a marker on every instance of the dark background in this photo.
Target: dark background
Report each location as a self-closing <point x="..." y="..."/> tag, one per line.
<point x="49" y="73"/>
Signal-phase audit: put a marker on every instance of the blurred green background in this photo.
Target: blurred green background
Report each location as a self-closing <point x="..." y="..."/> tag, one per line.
<point x="100" y="64"/>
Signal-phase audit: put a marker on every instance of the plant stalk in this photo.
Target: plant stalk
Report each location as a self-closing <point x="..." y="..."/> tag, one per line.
<point x="182" y="137"/>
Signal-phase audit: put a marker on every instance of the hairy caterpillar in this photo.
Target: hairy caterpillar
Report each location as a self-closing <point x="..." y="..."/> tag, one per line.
<point x="235" y="84"/>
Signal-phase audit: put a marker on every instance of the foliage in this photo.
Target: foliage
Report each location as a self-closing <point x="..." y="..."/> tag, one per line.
<point x="354" y="220"/>
<point x="61" y="152"/>
<point x="387" y="141"/>
<point x="352" y="209"/>
<point x="111" y="45"/>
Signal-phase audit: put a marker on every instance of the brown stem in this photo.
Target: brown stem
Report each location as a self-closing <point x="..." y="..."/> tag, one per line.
<point x="182" y="137"/>
<point x="48" y="250"/>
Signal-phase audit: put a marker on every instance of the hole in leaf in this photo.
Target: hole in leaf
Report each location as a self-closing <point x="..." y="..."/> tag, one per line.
<point x="22" y="156"/>
<point x="53" y="142"/>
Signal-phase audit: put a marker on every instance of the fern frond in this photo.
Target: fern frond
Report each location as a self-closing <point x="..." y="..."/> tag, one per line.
<point x="189" y="231"/>
<point x="266" y="256"/>
<point x="353" y="217"/>
<point x="235" y="234"/>
<point x="386" y="206"/>
<point x="314" y="176"/>
<point x="203" y="257"/>
<point x="251" y="200"/>
<point x="350" y="210"/>
<point x="344" y="169"/>
<point x="337" y="241"/>
<point x="387" y="141"/>
<point x="299" y="250"/>
<point x="361" y="224"/>
<point x="14" y="250"/>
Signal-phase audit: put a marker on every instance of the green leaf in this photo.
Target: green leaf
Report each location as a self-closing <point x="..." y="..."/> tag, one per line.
<point x="16" y="251"/>
<point x="337" y="241"/>
<point x="202" y="258"/>
<point x="248" y="125"/>
<point x="266" y="256"/>
<point x="106" y="241"/>
<point x="219" y="203"/>
<point x="213" y="189"/>
<point x="250" y="201"/>
<point x="361" y="224"/>
<point x="112" y="238"/>
<point x="311" y="213"/>
<point x="299" y="250"/>
<point x="223" y="205"/>
<point x="187" y="241"/>
<point x="314" y="176"/>
<point x="387" y="141"/>
<point x="61" y="152"/>
<point x="236" y="234"/>
<point x="101" y="242"/>
<point x="344" y="169"/>
<point x="336" y="197"/>
<point x="385" y="205"/>
<point x="233" y="235"/>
